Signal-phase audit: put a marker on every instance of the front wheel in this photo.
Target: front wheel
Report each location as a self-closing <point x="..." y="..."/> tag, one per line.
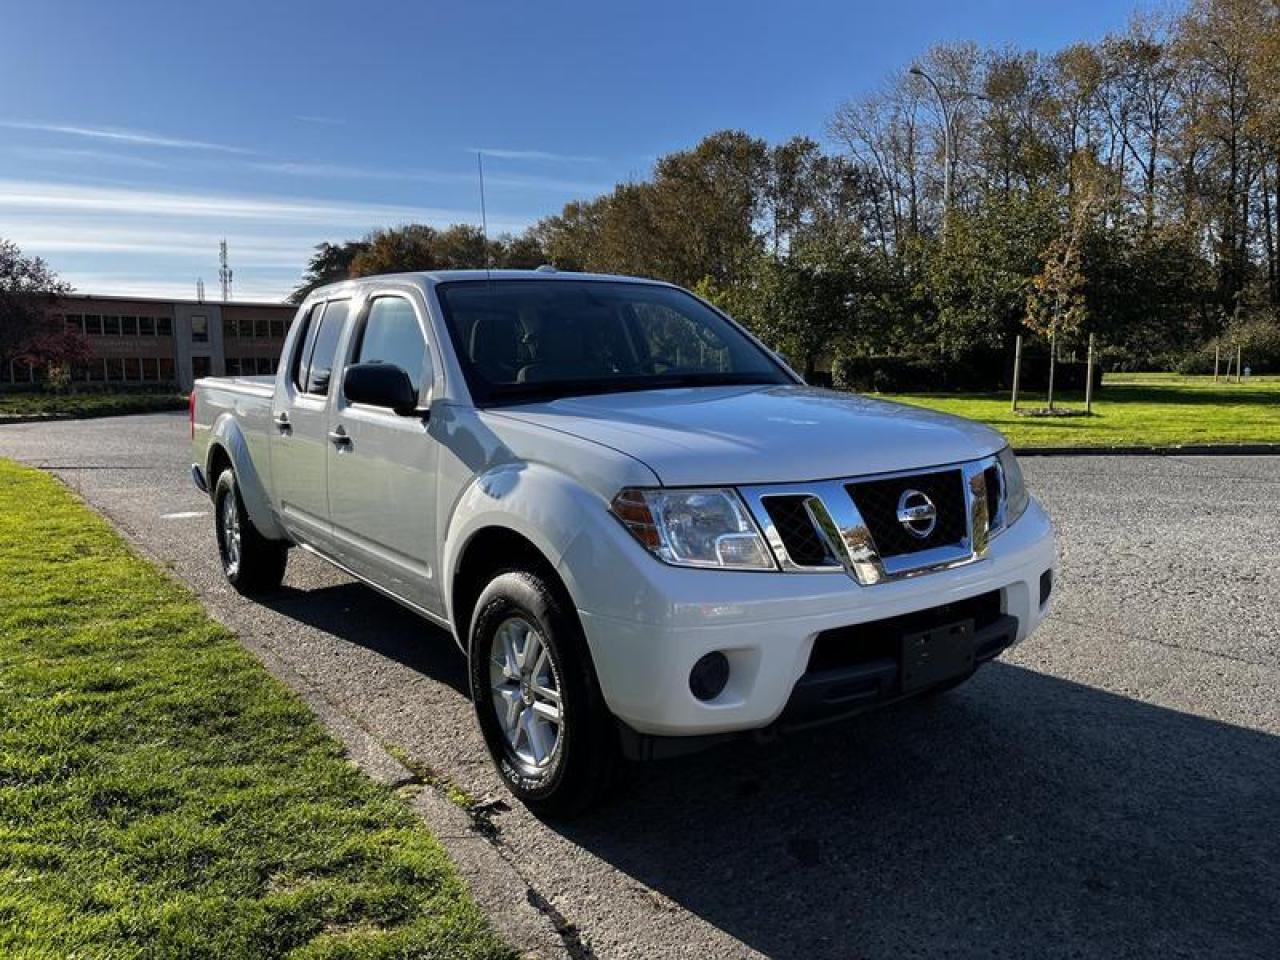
<point x="536" y="697"/>
<point x="250" y="562"/>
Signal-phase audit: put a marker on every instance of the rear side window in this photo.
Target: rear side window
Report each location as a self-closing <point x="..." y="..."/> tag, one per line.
<point x="326" y="346"/>
<point x="305" y="342"/>
<point x="392" y="335"/>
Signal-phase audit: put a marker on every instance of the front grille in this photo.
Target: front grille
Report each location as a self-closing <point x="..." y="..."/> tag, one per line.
<point x="877" y="501"/>
<point x="880" y="639"/>
<point x="794" y="525"/>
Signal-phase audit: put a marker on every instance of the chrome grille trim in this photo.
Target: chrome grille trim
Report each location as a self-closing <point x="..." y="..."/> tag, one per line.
<point x="837" y="520"/>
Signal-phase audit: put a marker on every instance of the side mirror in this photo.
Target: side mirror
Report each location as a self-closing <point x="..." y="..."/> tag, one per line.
<point x="380" y="385"/>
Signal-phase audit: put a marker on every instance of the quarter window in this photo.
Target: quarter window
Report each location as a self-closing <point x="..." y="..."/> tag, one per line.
<point x="392" y="335"/>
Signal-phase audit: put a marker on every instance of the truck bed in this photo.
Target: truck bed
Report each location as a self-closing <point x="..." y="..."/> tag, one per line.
<point x="246" y="401"/>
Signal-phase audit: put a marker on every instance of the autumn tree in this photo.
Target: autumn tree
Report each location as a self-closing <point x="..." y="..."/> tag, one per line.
<point x="28" y="331"/>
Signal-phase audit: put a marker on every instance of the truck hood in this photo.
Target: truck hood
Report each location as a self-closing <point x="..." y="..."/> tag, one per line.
<point x="753" y="435"/>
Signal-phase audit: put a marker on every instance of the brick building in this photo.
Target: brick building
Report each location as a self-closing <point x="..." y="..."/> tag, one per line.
<point x="136" y="341"/>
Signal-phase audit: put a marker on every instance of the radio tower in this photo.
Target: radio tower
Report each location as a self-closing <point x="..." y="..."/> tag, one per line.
<point x="224" y="271"/>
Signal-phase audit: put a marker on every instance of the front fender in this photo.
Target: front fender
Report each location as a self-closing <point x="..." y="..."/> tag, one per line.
<point x="546" y="507"/>
<point x="227" y="435"/>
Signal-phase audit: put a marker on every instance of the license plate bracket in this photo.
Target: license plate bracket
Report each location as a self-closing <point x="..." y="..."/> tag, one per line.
<point x="940" y="653"/>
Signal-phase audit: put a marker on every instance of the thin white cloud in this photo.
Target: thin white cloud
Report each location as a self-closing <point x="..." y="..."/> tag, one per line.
<point x="534" y="155"/>
<point x="155" y="285"/>
<point x="343" y="172"/>
<point x="60" y="198"/>
<point x="122" y="135"/>
<point x="90" y="156"/>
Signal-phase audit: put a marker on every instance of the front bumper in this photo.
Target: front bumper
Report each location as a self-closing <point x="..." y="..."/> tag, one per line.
<point x="649" y="623"/>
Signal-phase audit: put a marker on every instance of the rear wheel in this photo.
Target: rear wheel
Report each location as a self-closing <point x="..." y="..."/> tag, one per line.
<point x="250" y="562"/>
<point x="536" y="697"/>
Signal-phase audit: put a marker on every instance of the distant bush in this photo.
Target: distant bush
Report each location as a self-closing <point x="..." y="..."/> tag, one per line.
<point x="980" y="373"/>
<point x="1258" y="338"/>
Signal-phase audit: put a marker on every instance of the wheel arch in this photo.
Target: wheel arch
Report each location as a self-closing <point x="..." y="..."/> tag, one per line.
<point x="487" y="551"/>
<point x="228" y="448"/>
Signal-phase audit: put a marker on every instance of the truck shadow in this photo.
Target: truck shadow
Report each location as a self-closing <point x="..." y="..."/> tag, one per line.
<point x="1021" y="814"/>
<point x="361" y="616"/>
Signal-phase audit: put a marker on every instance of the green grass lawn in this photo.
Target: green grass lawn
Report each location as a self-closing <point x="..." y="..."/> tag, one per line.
<point x="36" y="403"/>
<point x="1148" y="409"/>
<point x="162" y="796"/>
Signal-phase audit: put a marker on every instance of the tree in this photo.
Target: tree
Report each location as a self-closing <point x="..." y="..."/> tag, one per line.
<point x="28" y="331"/>
<point x="329" y="264"/>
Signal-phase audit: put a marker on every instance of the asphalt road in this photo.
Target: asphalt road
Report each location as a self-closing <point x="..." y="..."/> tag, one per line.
<point x="1111" y="788"/>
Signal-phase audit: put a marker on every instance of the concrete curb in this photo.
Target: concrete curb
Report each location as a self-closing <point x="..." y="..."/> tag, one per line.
<point x="1187" y="450"/>
<point x="516" y="911"/>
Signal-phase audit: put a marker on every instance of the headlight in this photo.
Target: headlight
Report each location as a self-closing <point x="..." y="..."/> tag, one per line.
<point x="1015" y="488"/>
<point x="694" y="528"/>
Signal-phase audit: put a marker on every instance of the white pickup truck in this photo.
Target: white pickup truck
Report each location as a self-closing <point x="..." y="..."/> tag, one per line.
<point x="642" y="529"/>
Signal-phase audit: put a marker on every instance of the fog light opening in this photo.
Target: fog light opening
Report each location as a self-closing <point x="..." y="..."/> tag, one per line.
<point x="709" y="675"/>
<point x="1046" y="586"/>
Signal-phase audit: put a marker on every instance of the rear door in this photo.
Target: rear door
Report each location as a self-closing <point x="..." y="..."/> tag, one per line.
<point x="382" y="477"/>
<point x="300" y="426"/>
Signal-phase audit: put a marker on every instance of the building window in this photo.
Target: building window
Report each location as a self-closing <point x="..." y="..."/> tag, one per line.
<point x="133" y="368"/>
<point x="166" y="370"/>
<point x="261" y="329"/>
<point x="164" y="326"/>
<point x="111" y="326"/>
<point x="75" y="321"/>
<point x="199" y="367"/>
<point x="93" y="324"/>
<point x="277" y="329"/>
<point x="146" y="326"/>
<point x="199" y="329"/>
<point x="129" y="326"/>
<point x="230" y="329"/>
<point x="233" y="367"/>
<point x="115" y="369"/>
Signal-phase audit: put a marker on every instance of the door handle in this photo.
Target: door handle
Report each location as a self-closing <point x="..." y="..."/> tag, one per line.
<point x="281" y="420"/>
<point x="338" y="437"/>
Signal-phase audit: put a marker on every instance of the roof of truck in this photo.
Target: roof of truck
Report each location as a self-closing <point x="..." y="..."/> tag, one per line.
<point x="433" y="277"/>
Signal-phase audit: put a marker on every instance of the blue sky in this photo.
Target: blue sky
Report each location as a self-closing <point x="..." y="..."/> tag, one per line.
<point x="134" y="135"/>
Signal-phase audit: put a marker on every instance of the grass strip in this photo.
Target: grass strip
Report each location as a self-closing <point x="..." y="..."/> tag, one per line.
<point x="161" y="795"/>
<point x="1132" y="409"/>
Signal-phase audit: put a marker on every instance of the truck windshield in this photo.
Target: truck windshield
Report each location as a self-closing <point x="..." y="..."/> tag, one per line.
<point x="523" y="340"/>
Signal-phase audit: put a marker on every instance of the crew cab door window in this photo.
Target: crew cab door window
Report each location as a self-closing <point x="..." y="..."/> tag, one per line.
<point x="325" y="347"/>
<point x="391" y="335"/>
<point x="305" y="344"/>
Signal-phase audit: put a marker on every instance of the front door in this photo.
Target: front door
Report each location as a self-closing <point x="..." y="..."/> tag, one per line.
<point x="300" y="427"/>
<point x="382" y="476"/>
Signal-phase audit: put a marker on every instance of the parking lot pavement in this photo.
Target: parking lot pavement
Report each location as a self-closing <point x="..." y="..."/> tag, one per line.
<point x="1110" y="788"/>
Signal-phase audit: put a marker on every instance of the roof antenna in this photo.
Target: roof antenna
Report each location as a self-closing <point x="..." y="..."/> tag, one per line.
<point x="484" y="217"/>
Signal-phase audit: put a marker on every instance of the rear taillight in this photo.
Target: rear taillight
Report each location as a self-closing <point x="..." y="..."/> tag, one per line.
<point x="191" y="413"/>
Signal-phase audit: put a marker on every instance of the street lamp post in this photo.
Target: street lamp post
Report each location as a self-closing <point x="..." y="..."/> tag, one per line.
<point x="946" y="141"/>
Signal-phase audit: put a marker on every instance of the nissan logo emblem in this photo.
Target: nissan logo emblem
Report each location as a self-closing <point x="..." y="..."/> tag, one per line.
<point x="917" y="514"/>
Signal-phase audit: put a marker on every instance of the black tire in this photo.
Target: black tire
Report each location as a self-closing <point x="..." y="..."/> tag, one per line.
<point x="582" y="764"/>
<point x="258" y="564"/>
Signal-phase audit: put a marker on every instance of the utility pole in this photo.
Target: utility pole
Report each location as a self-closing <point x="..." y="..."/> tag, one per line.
<point x="224" y="271"/>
